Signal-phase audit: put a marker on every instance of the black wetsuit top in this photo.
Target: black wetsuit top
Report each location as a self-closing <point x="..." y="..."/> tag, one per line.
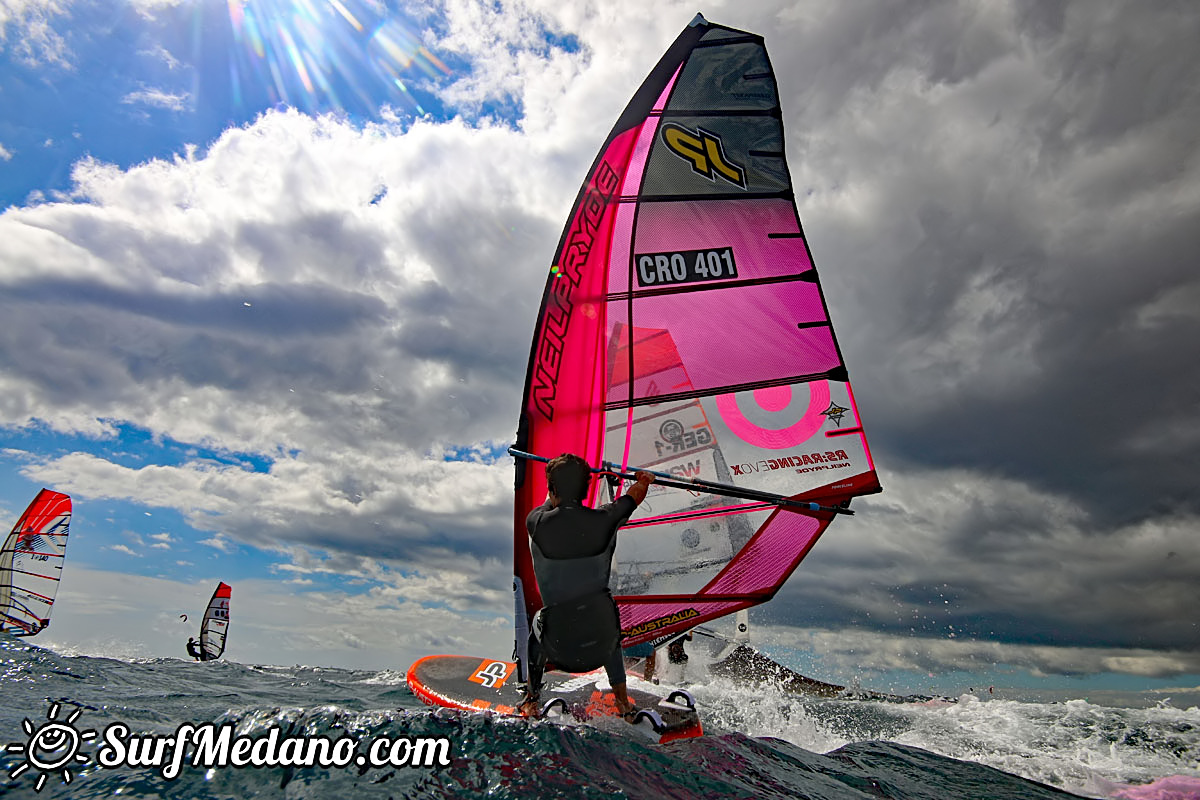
<point x="579" y="627"/>
<point x="572" y="547"/>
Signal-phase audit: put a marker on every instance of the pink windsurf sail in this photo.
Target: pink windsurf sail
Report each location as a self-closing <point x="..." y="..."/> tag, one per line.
<point x="31" y="563"/>
<point x="683" y="329"/>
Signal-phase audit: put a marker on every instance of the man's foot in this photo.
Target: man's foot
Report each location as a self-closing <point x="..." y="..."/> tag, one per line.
<point x="530" y="707"/>
<point x="624" y="707"/>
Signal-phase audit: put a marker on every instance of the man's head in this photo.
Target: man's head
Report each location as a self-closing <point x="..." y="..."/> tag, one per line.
<point x="568" y="477"/>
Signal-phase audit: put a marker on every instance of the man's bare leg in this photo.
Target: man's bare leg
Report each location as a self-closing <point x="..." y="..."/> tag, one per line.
<point x="624" y="705"/>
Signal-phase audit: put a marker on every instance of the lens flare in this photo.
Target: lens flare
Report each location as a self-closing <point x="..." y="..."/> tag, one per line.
<point x="329" y="55"/>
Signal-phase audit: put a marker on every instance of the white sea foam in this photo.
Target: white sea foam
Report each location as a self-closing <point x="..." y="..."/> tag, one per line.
<point x="1082" y="747"/>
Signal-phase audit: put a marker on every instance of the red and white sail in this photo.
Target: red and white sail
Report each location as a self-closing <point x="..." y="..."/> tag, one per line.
<point x="215" y="625"/>
<point x="31" y="563"/>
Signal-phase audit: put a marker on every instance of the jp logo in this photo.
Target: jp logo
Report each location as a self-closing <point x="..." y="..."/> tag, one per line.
<point x="51" y="747"/>
<point x="491" y="674"/>
<point x="704" y="151"/>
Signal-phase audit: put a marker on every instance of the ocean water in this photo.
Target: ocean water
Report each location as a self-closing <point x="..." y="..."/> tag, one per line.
<point x="760" y="743"/>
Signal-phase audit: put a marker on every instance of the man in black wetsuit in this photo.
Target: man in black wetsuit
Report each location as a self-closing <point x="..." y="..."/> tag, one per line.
<point x="578" y="628"/>
<point x="675" y="652"/>
<point x="193" y="649"/>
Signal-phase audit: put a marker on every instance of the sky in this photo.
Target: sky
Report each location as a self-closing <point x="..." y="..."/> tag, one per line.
<point x="269" y="273"/>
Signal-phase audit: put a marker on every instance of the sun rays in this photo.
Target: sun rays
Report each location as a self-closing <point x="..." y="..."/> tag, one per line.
<point x="329" y="55"/>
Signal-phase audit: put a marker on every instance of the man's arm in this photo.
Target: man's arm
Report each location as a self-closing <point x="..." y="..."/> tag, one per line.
<point x="638" y="491"/>
<point x="535" y="516"/>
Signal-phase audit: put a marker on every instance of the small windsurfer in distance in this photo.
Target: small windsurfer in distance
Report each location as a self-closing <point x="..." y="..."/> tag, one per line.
<point x="32" y="628"/>
<point x="675" y="652"/>
<point x="193" y="649"/>
<point x="578" y="628"/>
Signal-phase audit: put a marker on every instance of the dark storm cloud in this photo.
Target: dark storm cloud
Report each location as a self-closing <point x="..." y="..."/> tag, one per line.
<point x="1019" y="316"/>
<point x="1004" y="204"/>
<point x="106" y="342"/>
<point x="952" y="555"/>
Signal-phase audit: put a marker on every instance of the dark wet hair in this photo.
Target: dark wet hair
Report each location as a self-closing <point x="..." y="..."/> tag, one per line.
<point x="568" y="477"/>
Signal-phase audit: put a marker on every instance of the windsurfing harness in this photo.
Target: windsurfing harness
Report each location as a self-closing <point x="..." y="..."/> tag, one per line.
<point x="579" y="635"/>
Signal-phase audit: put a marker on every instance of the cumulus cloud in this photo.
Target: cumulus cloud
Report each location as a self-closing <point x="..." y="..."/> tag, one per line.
<point x="218" y="542"/>
<point x="158" y="98"/>
<point x="29" y="29"/>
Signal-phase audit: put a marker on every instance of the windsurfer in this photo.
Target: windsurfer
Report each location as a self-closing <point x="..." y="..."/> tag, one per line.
<point x="193" y="649"/>
<point x="578" y="628"/>
<point x="675" y="652"/>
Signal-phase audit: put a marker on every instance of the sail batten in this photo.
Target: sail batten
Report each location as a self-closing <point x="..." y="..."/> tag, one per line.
<point x="732" y="285"/>
<point x="683" y="328"/>
<point x="831" y="375"/>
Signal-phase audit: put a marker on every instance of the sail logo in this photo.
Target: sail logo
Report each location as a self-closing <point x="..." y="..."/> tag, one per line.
<point x="559" y="303"/>
<point x="661" y="622"/>
<point x="705" y="151"/>
<point x="492" y="674"/>
<point x="787" y="462"/>
<point x="31" y="541"/>
<point x="686" y="266"/>
<point x="692" y="469"/>
<point x="673" y="439"/>
<point x="835" y="413"/>
<point x="28" y="541"/>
